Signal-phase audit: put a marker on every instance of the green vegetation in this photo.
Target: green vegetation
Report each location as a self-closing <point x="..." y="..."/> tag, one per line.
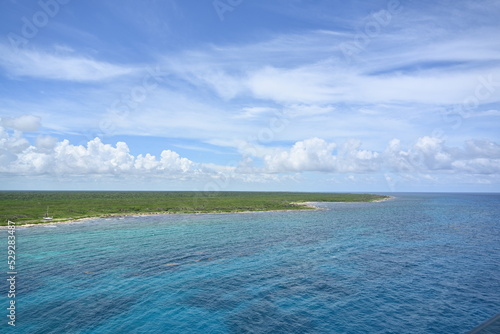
<point x="31" y="206"/>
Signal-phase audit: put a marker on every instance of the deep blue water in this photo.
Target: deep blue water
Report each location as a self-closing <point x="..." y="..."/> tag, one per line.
<point x="420" y="263"/>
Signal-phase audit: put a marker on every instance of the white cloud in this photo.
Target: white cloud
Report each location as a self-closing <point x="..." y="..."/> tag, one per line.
<point x="255" y="112"/>
<point x="301" y="75"/>
<point x="55" y="66"/>
<point x="431" y="154"/>
<point x="308" y="110"/>
<point x="45" y="144"/>
<point x="316" y="154"/>
<point x="205" y="72"/>
<point x="310" y="67"/>
<point x="427" y="155"/>
<point x="485" y="113"/>
<point x="23" y="123"/>
<point x="482" y="148"/>
<point x="52" y="158"/>
<point x="146" y="163"/>
<point x="171" y="161"/>
<point x="478" y="166"/>
<point x="11" y="146"/>
<point x="427" y="161"/>
<point x="309" y="84"/>
<point x="61" y="158"/>
<point x="309" y="155"/>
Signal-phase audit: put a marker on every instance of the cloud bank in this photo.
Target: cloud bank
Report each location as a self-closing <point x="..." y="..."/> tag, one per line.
<point x="49" y="156"/>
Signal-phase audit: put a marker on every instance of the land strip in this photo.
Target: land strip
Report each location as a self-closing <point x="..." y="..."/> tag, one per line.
<point x="30" y="207"/>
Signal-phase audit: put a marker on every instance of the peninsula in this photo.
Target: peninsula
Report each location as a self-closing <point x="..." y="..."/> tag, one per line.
<point x="29" y="207"/>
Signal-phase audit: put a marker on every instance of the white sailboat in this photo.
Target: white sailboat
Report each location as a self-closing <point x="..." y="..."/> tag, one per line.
<point x="47" y="215"/>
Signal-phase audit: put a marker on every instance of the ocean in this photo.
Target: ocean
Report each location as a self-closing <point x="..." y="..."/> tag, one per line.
<point x="418" y="263"/>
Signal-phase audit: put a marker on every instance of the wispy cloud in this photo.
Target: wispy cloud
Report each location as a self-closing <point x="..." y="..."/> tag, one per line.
<point x="398" y="67"/>
<point x="57" y="65"/>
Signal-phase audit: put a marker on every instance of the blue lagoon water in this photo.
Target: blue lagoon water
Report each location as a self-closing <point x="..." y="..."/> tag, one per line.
<point x="419" y="263"/>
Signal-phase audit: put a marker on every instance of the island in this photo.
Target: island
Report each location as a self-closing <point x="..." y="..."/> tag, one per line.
<point x="30" y="207"/>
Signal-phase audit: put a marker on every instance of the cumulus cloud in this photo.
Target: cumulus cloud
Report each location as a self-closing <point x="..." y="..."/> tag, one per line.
<point x="426" y="155"/>
<point x="316" y="154"/>
<point x="45" y="143"/>
<point x="172" y="161"/>
<point x="10" y="147"/>
<point x="12" y="144"/>
<point x="432" y="154"/>
<point x="52" y="157"/>
<point x="311" y="154"/>
<point x="25" y="123"/>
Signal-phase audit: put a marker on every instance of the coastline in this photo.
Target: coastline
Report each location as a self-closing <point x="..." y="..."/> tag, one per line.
<point x="383" y="199"/>
<point x="310" y="205"/>
<point x="312" y="208"/>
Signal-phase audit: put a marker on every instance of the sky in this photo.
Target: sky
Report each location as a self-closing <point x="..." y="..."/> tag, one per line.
<point x="258" y="95"/>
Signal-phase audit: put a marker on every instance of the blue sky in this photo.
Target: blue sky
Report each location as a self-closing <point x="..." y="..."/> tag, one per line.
<point x="250" y="95"/>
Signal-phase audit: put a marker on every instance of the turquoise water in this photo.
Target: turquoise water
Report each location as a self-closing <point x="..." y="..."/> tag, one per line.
<point x="420" y="263"/>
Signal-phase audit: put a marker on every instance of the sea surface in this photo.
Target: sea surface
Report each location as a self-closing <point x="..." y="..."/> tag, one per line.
<point x="419" y="263"/>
